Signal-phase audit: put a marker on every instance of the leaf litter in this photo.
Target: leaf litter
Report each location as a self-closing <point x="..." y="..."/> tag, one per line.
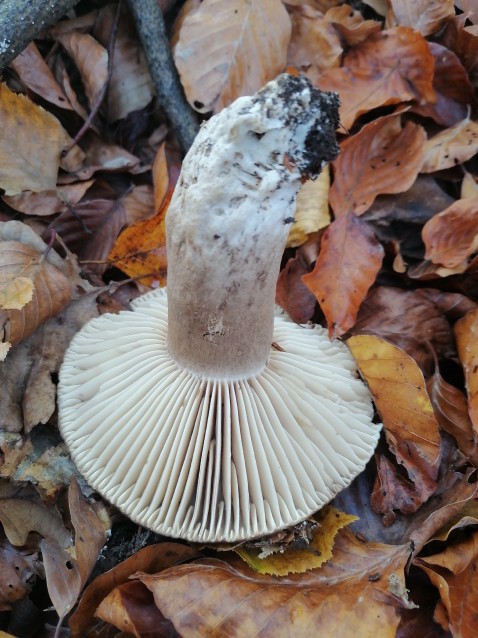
<point x="384" y="256"/>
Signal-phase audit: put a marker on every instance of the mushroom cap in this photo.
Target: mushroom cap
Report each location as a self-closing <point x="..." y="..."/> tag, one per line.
<point x="211" y="459"/>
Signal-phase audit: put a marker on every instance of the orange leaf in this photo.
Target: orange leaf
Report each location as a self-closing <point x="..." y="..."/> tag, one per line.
<point x="160" y="177"/>
<point x="399" y="392"/>
<point x="141" y="249"/>
<point x="348" y="263"/>
<point x="466" y="334"/>
<point x="382" y="158"/>
<point x="382" y="70"/>
<point x="452" y="236"/>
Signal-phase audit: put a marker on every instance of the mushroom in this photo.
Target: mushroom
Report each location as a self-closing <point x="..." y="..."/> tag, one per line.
<point x="204" y="413"/>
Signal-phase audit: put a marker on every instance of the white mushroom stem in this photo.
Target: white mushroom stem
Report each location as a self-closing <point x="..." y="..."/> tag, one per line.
<point x="238" y="185"/>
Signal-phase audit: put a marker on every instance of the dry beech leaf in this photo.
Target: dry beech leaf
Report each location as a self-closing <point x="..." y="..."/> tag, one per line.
<point x="131" y="609"/>
<point x="160" y="177"/>
<point x="227" y="49"/>
<point x="15" y="292"/>
<point x="398" y="389"/>
<point x="382" y="158"/>
<point x="48" y="202"/>
<point x="291" y="292"/>
<point x="36" y="74"/>
<point x="392" y="492"/>
<point x="91" y="59"/>
<point x="379" y="6"/>
<point x="348" y="263"/>
<point x="354" y="595"/>
<point x="130" y="87"/>
<point x="16" y="570"/>
<point x="452" y="146"/>
<point x="21" y="516"/>
<point x="425" y="16"/>
<point x="451" y="410"/>
<point x="139" y="204"/>
<point x="452" y="236"/>
<point x="312" y="209"/>
<point x="382" y="70"/>
<point x="469" y="186"/>
<point x="294" y="560"/>
<point x="150" y="559"/>
<point x="63" y="577"/>
<point x="455" y="575"/>
<point x="351" y="25"/>
<point x="140" y="250"/>
<point x="30" y="147"/>
<point x="51" y="289"/>
<point x="466" y="334"/>
<point x="314" y="44"/>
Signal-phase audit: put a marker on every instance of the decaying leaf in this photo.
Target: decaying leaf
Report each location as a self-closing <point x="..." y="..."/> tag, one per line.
<point x="349" y="260"/>
<point x="383" y="157"/>
<point x="31" y="144"/>
<point x="450" y="147"/>
<point x="400" y="395"/>
<point x="291" y="292"/>
<point x="312" y="209"/>
<point x="48" y="202"/>
<point x="452" y="236"/>
<point x="19" y="516"/>
<point x="298" y="560"/>
<point x="346" y="597"/>
<point x="466" y="333"/>
<point x="16" y="571"/>
<point x="224" y="50"/>
<point x="351" y="25"/>
<point x="382" y="70"/>
<point x="425" y="16"/>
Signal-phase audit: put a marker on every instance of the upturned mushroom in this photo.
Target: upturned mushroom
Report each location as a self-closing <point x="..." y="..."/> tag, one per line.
<point x="182" y="412"/>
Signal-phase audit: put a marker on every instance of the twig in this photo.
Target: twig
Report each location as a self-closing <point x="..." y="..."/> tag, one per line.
<point x="23" y="20"/>
<point x="152" y="32"/>
<point x="101" y="95"/>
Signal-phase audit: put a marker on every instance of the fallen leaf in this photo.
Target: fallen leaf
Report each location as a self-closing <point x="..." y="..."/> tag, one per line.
<point x="312" y="209"/>
<point x="399" y="392"/>
<point x="348" y="263"/>
<point x="451" y="410"/>
<point x="450" y="147"/>
<point x="294" y="560"/>
<point x="160" y="178"/>
<point x="351" y="25"/>
<point x="464" y="44"/>
<point x="454" y="573"/>
<point x="392" y="492"/>
<point x="149" y="559"/>
<point x="31" y="145"/>
<point x="425" y="16"/>
<point x="223" y="51"/>
<point x="38" y="77"/>
<point x="16" y="570"/>
<point x="291" y="292"/>
<point x="48" y="202"/>
<point x="380" y="71"/>
<point x="91" y="59"/>
<point x="21" y="516"/>
<point x="347" y="597"/>
<point x="139" y="204"/>
<point x="129" y="87"/>
<point x="469" y="187"/>
<point x="62" y="576"/>
<point x="383" y="157"/>
<point x="15" y="291"/>
<point x="451" y="237"/>
<point x="466" y="333"/>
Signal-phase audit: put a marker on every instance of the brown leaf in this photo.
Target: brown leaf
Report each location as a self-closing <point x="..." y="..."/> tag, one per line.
<point x="380" y="71"/>
<point x="292" y="294"/>
<point x="347" y="597"/>
<point x="425" y="16"/>
<point x="382" y="158"/>
<point x="351" y="25"/>
<point x="51" y="289"/>
<point x="348" y="263"/>
<point x="21" y="516"/>
<point x="91" y="59"/>
<point x="48" y="202"/>
<point x="150" y="559"/>
<point x="36" y="74"/>
<point x="16" y="571"/>
<point x="30" y="147"/>
<point x="130" y="87"/>
<point x="63" y="577"/>
<point x="392" y="491"/>
<point x="130" y="608"/>
<point x="451" y="411"/>
<point x="454" y="573"/>
<point x="160" y="178"/>
<point x="464" y="44"/>
<point x="466" y="334"/>
<point x="452" y="146"/>
<point x="399" y="392"/>
<point x="223" y="50"/>
<point x="451" y="236"/>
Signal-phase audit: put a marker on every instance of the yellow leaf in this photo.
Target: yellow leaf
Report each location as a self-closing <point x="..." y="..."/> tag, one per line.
<point x="15" y="292"/>
<point x="294" y="560"/>
<point x="312" y="209"/>
<point x="452" y="146"/>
